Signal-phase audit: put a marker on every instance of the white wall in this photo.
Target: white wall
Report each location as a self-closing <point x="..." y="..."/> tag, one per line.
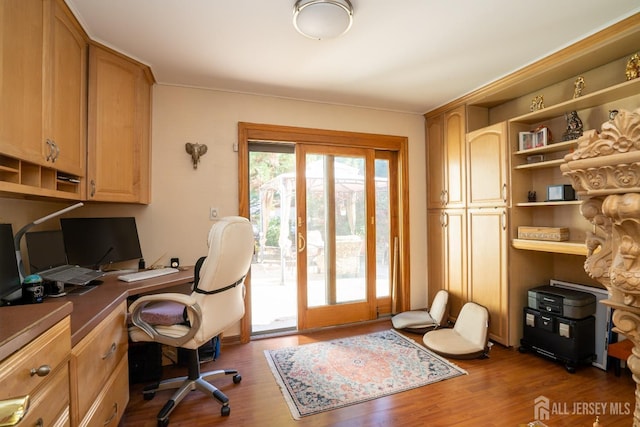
<point x="176" y="222"/>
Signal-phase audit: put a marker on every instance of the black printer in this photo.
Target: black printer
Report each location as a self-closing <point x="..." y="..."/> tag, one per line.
<point x="559" y="324"/>
<point x="562" y="302"/>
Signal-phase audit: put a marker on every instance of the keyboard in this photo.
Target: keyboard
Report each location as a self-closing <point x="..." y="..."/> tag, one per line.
<point x="147" y="274"/>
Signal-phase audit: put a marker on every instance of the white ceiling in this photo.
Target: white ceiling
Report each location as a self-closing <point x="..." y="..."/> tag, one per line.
<point x="402" y="55"/>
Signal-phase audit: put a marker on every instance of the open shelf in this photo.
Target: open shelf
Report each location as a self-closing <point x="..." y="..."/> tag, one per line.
<point x="542" y="204"/>
<point x="541" y="165"/>
<point x="571" y="248"/>
<point x="23" y="177"/>
<point x="551" y="148"/>
<point x="619" y="91"/>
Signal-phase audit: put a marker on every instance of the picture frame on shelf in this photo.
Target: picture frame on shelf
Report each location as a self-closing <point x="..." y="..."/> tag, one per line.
<point x="526" y="140"/>
<point x="541" y="137"/>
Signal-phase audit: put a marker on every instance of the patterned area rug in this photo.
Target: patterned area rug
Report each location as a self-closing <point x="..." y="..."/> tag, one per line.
<point x="329" y="375"/>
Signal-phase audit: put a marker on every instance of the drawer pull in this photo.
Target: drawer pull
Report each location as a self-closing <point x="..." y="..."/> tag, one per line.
<point x="112" y="350"/>
<point x="42" y="371"/>
<point x="13" y="410"/>
<point x="115" y="413"/>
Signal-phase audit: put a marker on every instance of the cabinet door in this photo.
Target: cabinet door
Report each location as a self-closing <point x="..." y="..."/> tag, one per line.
<point x="119" y="120"/>
<point x="488" y="173"/>
<point x="21" y="88"/>
<point x="455" y="157"/>
<point x="436" y="167"/>
<point x="447" y="262"/>
<point x="487" y="267"/>
<point x="66" y="103"/>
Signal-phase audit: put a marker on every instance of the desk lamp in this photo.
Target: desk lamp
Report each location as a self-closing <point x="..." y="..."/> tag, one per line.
<point x="23" y="230"/>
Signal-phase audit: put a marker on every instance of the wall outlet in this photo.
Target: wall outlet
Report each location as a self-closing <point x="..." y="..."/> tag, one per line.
<point x="213" y="213"/>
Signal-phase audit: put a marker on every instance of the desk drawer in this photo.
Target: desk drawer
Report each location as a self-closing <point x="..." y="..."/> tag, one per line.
<point x="95" y="358"/>
<point x="112" y="401"/>
<point x="48" y="406"/>
<point x="50" y="349"/>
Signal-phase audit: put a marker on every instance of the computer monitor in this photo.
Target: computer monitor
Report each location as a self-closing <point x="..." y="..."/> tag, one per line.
<point x="9" y="275"/>
<point x="45" y="249"/>
<point x="96" y="242"/>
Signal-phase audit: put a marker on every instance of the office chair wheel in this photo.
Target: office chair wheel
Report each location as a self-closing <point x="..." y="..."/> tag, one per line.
<point x="236" y="379"/>
<point x="225" y="411"/>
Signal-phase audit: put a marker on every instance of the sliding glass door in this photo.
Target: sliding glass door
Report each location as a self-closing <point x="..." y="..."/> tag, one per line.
<point x="335" y="226"/>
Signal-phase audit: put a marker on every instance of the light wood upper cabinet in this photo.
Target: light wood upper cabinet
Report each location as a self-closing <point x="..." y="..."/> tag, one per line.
<point x="446" y="159"/>
<point x="488" y="171"/>
<point x="119" y="128"/>
<point x="43" y="90"/>
<point x="66" y="93"/>
<point x="21" y="89"/>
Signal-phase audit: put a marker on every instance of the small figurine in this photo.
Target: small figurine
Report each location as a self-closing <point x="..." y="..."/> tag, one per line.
<point x="633" y="67"/>
<point x="578" y="87"/>
<point x="537" y="103"/>
<point x="531" y="196"/>
<point x="574" y="126"/>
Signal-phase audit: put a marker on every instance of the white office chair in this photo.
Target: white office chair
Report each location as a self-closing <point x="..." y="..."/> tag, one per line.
<point x="189" y="321"/>
<point x="420" y="321"/>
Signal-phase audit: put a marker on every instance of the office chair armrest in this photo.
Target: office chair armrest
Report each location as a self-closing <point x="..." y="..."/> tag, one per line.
<point x="162" y="333"/>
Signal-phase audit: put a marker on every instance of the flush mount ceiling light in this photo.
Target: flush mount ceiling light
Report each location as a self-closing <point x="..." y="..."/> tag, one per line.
<point x="322" y="19"/>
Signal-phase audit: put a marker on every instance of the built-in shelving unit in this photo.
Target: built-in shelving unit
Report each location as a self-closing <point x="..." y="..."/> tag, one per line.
<point x="532" y="172"/>
<point x="22" y="177"/>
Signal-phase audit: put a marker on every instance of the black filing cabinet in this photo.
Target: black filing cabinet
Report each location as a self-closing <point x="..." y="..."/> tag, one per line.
<point x="559" y="324"/>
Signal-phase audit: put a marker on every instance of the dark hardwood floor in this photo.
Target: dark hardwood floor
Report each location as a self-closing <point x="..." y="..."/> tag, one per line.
<point x="499" y="391"/>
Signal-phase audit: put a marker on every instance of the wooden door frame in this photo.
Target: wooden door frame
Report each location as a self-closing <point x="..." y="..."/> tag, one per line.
<point x="264" y="132"/>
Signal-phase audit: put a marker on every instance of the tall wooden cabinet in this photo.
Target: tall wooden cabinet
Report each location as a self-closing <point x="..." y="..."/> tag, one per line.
<point x="119" y="128"/>
<point x="446" y="163"/>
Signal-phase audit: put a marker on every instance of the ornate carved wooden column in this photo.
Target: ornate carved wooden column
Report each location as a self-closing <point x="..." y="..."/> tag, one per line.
<point x="605" y="170"/>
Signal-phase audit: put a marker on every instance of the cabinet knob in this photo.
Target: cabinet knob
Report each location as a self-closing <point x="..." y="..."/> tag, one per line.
<point x="93" y="188"/>
<point x="42" y="371"/>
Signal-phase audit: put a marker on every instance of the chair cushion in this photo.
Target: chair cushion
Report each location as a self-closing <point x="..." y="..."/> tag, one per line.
<point x="164" y="313"/>
<point x="412" y="319"/>
<point x="449" y="343"/>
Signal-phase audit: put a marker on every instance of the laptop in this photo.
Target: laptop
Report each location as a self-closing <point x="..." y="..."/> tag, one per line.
<point x="47" y="258"/>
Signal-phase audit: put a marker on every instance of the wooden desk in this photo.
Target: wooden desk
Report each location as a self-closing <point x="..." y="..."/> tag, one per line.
<point x="97" y="367"/>
<point x="91" y="308"/>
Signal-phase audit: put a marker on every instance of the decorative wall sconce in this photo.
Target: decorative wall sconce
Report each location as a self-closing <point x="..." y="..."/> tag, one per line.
<point x="196" y="150"/>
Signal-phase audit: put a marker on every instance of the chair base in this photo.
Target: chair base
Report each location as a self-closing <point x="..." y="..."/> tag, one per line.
<point x="193" y="381"/>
